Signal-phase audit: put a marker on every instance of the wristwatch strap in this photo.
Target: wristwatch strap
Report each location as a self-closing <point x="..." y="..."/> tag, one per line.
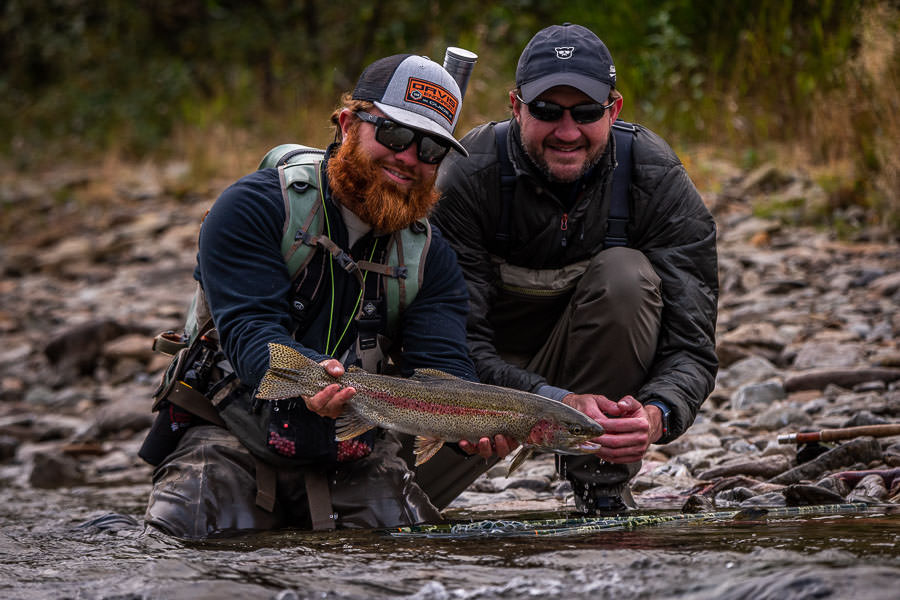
<point x="664" y="411"/>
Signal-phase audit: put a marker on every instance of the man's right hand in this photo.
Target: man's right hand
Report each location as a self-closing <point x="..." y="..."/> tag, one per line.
<point x="332" y="400"/>
<point x="500" y="445"/>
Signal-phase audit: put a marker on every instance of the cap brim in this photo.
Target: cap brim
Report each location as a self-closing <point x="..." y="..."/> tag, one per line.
<point x="597" y="90"/>
<point x="417" y="121"/>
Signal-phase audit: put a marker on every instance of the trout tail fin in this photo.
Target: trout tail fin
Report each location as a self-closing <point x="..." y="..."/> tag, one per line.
<point x="290" y="374"/>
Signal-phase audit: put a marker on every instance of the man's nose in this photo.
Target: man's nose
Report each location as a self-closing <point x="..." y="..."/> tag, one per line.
<point x="566" y="128"/>
<point x="409" y="156"/>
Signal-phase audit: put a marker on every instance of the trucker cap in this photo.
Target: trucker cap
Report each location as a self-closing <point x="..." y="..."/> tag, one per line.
<point x="565" y="54"/>
<point x="414" y="91"/>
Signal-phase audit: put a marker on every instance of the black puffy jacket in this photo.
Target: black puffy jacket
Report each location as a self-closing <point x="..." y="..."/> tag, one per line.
<point x="668" y="223"/>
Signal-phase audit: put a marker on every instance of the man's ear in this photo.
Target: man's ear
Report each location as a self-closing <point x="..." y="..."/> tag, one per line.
<point x="344" y="120"/>
<point x="516" y="107"/>
<point x="616" y="109"/>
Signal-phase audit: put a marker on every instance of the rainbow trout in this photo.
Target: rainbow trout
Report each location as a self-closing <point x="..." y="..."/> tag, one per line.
<point x="436" y="407"/>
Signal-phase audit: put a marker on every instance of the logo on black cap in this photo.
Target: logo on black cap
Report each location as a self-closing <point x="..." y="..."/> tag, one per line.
<point x="564" y="52"/>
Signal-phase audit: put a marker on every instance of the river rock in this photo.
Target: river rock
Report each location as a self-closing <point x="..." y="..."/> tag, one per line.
<point x="807" y="495"/>
<point x="780" y="417"/>
<point x="764" y="467"/>
<point x="863" y="417"/>
<point x="753" y="369"/>
<point x="861" y="450"/>
<point x="75" y="350"/>
<point x="697" y="504"/>
<point x="8" y="447"/>
<point x="871" y="488"/>
<point x="887" y="285"/>
<point x="768" y="500"/>
<point x="834" y="484"/>
<point x="828" y="354"/>
<point x="54" y="470"/>
<point x="757" y="394"/>
<point x="733" y="496"/>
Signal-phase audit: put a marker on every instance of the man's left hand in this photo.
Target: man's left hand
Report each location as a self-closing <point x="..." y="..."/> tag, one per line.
<point x="629" y="427"/>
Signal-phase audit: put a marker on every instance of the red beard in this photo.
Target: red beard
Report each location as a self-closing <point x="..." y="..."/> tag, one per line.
<point x="359" y="184"/>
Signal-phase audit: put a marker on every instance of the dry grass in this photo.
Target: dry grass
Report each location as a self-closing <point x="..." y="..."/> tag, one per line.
<point x="855" y="131"/>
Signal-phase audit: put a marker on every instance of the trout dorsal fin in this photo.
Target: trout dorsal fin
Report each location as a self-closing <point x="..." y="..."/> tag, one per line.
<point x="424" y="448"/>
<point x="350" y="425"/>
<point x="427" y="374"/>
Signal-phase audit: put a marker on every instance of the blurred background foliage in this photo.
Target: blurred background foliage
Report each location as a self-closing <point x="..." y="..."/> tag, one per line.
<point x="197" y="79"/>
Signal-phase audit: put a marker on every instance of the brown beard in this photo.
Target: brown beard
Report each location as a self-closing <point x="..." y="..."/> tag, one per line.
<point x="359" y="184"/>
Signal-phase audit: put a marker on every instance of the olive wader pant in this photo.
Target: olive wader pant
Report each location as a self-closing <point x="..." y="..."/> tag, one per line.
<point x="210" y="486"/>
<point x="603" y="342"/>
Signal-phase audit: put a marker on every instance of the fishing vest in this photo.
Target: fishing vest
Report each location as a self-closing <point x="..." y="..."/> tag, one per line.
<point x="202" y="382"/>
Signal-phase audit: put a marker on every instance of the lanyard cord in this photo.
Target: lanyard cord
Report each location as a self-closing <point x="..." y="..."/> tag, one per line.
<point x="355" y="306"/>
<point x="358" y="299"/>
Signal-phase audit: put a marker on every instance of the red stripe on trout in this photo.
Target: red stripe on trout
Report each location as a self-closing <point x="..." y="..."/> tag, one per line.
<point x="434" y="408"/>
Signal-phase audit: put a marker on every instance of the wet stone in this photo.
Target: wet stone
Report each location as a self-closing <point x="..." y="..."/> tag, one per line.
<point x="862" y="418"/>
<point x="757" y="394"/>
<point x="51" y="471"/>
<point x="8" y="447"/>
<point x="770" y="499"/>
<point x="733" y="496"/>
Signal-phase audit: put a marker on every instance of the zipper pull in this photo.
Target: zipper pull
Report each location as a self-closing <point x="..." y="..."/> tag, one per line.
<point x="564" y="222"/>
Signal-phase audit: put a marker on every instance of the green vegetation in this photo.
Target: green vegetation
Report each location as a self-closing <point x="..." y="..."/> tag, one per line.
<point x="186" y="77"/>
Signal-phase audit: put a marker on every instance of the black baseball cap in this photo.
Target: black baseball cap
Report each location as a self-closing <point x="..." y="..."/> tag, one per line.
<point x="414" y="91"/>
<point x="566" y="54"/>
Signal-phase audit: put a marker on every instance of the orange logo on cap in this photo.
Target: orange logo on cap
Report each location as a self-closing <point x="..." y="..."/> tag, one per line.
<point x="438" y="99"/>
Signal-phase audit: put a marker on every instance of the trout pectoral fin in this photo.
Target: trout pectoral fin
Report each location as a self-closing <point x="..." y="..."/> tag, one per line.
<point x="521" y="456"/>
<point x="424" y="448"/>
<point x="349" y="425"/>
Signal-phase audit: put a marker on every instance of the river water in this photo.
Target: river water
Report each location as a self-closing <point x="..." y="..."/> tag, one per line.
<point x="88" y="543"/>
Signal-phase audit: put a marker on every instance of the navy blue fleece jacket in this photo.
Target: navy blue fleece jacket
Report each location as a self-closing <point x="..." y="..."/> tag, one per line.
<point x="247" y="285"/>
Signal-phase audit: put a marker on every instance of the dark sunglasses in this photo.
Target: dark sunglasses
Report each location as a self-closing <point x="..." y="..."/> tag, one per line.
<point x="399" y="137"/>
<point x="551" y="111"/>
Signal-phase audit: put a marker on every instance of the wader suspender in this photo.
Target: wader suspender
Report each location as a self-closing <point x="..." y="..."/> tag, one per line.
<point x="616" y="221"/>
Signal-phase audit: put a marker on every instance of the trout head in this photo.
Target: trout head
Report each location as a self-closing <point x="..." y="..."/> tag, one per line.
<point x="565" y="437"/>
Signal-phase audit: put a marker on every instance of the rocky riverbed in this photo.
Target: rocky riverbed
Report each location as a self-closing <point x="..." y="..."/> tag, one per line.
<point x="95" y="263"/>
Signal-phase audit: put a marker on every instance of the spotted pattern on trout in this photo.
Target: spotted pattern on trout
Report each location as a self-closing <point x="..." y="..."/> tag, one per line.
<point x="436" y="408"/>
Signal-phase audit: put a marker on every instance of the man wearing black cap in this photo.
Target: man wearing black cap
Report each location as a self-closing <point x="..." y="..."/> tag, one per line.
<point x="590" y="259"/>
<point x="277" y="464"/>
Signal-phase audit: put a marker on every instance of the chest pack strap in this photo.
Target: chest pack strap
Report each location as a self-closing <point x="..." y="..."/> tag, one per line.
<point x="617" y="220"/>
<point x="507" y="186"/>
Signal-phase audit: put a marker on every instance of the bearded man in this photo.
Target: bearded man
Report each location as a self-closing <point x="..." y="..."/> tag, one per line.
<point x="277" y="464"/>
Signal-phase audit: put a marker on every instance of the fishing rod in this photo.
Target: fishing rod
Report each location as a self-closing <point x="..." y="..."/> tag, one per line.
<point x="584" y="525"/>
<point x="846" y="433"/>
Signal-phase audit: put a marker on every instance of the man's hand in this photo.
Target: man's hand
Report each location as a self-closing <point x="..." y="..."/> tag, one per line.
<point x="629" y="427"/>
<point x="331" y="400"/>
<point x="501" y="445"/>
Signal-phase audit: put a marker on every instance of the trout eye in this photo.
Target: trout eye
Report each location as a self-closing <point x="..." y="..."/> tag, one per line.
<point x="576" y="430"/>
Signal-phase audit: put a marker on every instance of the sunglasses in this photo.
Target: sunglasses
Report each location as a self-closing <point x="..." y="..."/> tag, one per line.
<point x="551" y="111"/>
<point x="398" y="138"/>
